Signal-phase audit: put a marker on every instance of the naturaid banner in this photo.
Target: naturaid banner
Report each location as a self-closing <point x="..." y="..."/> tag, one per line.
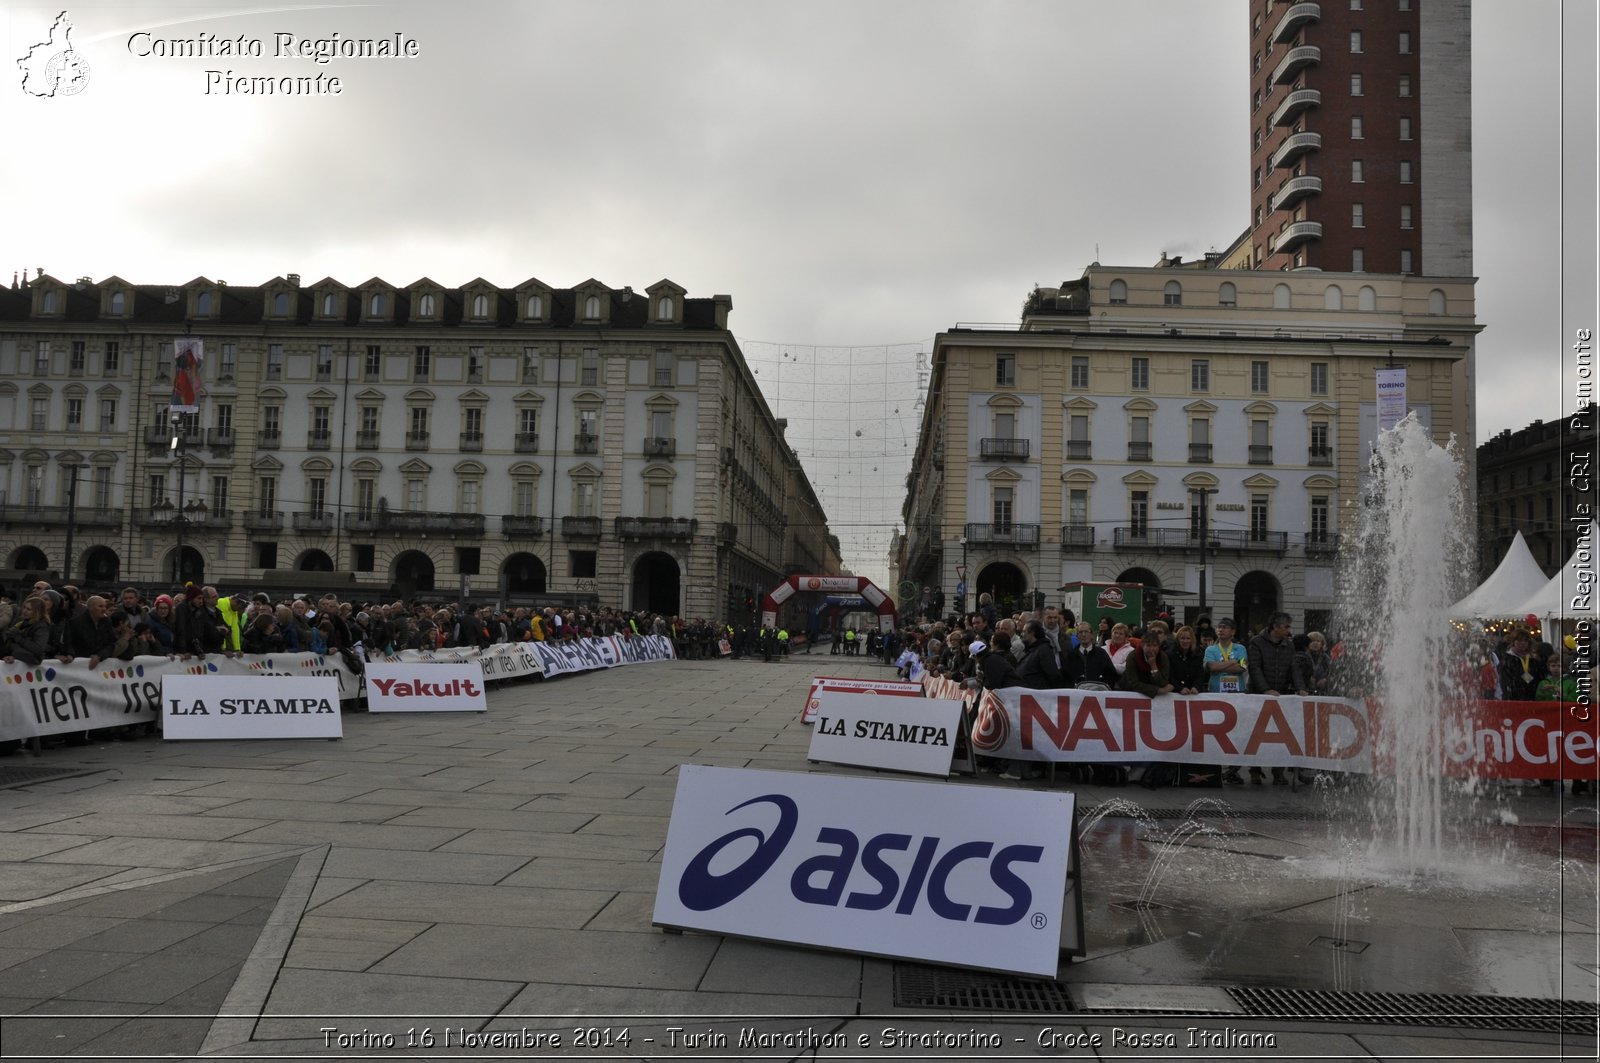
<point x="55" y="698"/>
<point x="1486" y="739"/>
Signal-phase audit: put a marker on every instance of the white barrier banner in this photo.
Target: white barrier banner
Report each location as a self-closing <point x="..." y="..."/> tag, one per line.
<point x="583" y="655"/>
<point x="854" y="686"/>
<point x="229" y="706"/>
<point x="55" y="698"/>
<point x="898" y="734"/>
<point x="427" y="687"/>
<point x="1254" y="729"/>
<point x="965" y="875"/>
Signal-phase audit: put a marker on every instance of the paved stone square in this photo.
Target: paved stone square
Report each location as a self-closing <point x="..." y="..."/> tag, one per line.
<point x="496" y="872"/>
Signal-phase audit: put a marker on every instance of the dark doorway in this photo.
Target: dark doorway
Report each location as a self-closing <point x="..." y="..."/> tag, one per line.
<point x="315" y="561"/>
<point x="655" y="584"/>
<point x="30" y="559"/>
<point x="101" y="565"/>
<point x="522" y="575"/>
<point x="1255" y="599"/>
<point x="1006" y="583"/>
<point x="193" y="571"/>
<point x="413" y="573"/>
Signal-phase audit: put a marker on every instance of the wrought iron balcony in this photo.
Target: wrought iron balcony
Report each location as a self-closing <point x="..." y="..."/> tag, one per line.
<point x="1319" y="455"/>
<point x="1139" y="451"/>
<point x="363" y="521"/>
<point x="678" y="528"/>
<point x="219" y="438"/>
<point x="514" y="527"/>
<point x="1200" y="452"/>
<point x="1078" y="450"/>
<point x="580" y="527"/>
<point x="471" y="441"/>
<point x="103" y="517"/>
<point x="268" y="439"/>
<point x="1003" y="449"/>
<point x="416" y="440"/>
<point x="1297" y="60"/>
<point x="313" y="521"/>
<point x="319" y="439"/>
<point x="1077" y="535"/>
<point x="1260" y="454"/>
<point x="527" y="443"/>
<point x="367" y="440"/>
<point x="660" y="447"/>
<point x="1297" y="233"/>
<point x="585" y="444"/>
<point x="213" y="519"/>
<point x="1321" y="544"/>
<point x="1293" y="20"/>
<point x="1003" y="534"/>
<point x="257" y="520"/>
<point x="1294" y="146"/>
<point x="448" y="523"/>
<point x="1295" y="104"/>
<point x="1143" y="537"/>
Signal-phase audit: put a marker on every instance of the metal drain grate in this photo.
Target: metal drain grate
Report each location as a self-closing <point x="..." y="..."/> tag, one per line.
<point x="1532" y="1014"/>
<point x="20" y="776"/>
<point x="918" y="986"/>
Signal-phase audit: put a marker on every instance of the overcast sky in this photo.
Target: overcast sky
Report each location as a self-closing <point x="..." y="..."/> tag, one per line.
<point x="857" y="175"/>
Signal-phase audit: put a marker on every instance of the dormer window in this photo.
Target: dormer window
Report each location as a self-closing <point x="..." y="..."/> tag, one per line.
<point x="591" y="308"/>
<point x="47" y="303"/>
<point x="202" y="305"/>
<point x="425" y="306"/>
<point x="665" y="308"/>
<point x="119" y="303"/>
<point x="376" y="306"/>
<point x="330" y="305"/>
<point x="480" y="306"/>
<point x="536" y="306"/>
<point x="280" y="304"/>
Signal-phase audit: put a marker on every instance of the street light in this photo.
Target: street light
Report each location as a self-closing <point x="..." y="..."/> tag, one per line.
<point x="961" y="580"/>
<point x="178" y="516"/>
<point x="1205" y="494"/>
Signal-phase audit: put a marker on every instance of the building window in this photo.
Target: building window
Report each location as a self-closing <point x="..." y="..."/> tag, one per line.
<point x="1200" y="375"/>
<point x="271" y="417"/>
<point x="280" y="305"/>
<point x="366" y="497"/>
<point x="665" y="369"/>
<point x="74" y="414"/>
<point x="229" y="362"/>
<point x="536" y="305"/>
<point x="1258" y="518"/>
<point x="1172" y="294"/>
<point x="274" y="361"/>
<point x="589" y="424"/>
<point x="325" y="361"/>
<point x="581" y="564"/>
<point x="266" y="495"/>
<point x="661" y="425"/>
<point x="1405" y="129"/>
<point x="1140" y="374"/>
<point x="1333" y="297"/>
<point x="1321" y="452"/>
<point x="1405" y="215"/>
<point x="591" y="308"/>
<point x="375" y="306"/>
<point x="1405" y="85"/>
<point x="372" y="365"/>
<point x="1355" y="42"/>
<point x="425" y="306"/>
<point x="480" y="306"/>
<point x="589" y="367"/>
<point x="1139" y="513"/>
<point x="77" y="358"/>
<point x="1405" y="260"/>
<point x="1200" y="439"/>
<point x="1358" y="260"/>
<point x="1258" y="185"/>
<point x="1280" y="297"/>
<point x="1258" y="378"/>
<point x="528" y="422"/>
<point x="1005" y="370"/>
<point x="1317" y="529"/>
<point x="419" y="423"/>
<point x="1139" y="438"/>
<point x="1080" y="371"/>
<point x="1405" y="171"/>
<point x="1355" y="84"/>
<point x="657" y="500"/>
<point x="102" y="488"/>
<point x="119" y="304"/>
<point x="530" y="365"/>
<point x="1405" y="43"/>
<point x="108" y="415"/>
<point x="225" y="419"/>
<point x="1005" y="425"/>
<point x="471" y="494"/>
<point x="1078" y="437"/>
<point x="1228" y="294"/>
<point x="472" y="425"/>
<point x="1078" y="507"/>
<point x="1003" y="503"/>
<point x="1319" y="378"/>
<point x="1119" y="288"/>
<point x="474" y="365"/>
<point x="39" y="414"/>
<point x="583" y="498"/>
<point x="1355" y="127"/>
<point x="111" y="364"/>
<point x="41" y="359"/>
<point x="522" y="497"/>
<point x="416" y="495"/>
<point x="317" y="495"/>
<point x="155" y="485"/>
<point x="1436" y="306"/>
<point x="665" y="308"/>
<point x="421" y="363"/>
<point x="1356" y="177"/>
<point x="1260" y="442"/>
<point x="1358" y="216"/>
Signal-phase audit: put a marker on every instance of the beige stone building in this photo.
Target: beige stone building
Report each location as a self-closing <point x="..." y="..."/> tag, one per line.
<point x="526" y="444"/>
<point x="1087" y="443"/>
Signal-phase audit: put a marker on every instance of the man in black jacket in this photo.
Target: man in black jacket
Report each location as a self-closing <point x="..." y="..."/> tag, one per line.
<point x="89" y="632"/>
<point x="1271" y="670"/>
<point x="1038" y="669"/>
<point x="1090" y="662"/>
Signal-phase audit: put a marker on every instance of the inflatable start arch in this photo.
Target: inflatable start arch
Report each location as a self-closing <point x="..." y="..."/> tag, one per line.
<point x="833" y="585"/>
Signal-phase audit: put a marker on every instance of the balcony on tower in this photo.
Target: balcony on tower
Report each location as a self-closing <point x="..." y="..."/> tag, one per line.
<point x="1297" y="60"/>
<point x="1296" y="18"/>
<point x="1294" y="190"/>
<point x="1295" y="104"/>
<point x="1295" y="234"/>
<point x="1005" y="449"/>
<point x="1294" y="146"/>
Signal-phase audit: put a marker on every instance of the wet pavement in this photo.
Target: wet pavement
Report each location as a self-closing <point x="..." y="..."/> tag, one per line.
<point x="482" y="884"/>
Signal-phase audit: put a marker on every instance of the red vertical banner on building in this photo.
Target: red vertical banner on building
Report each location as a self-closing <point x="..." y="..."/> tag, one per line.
<point x="187" y="355"/>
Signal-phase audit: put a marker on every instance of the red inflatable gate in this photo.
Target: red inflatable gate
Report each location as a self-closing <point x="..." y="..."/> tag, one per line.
<point x="832" y="585"/>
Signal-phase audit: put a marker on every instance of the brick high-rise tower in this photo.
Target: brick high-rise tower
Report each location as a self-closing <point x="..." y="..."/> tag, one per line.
<point x="1361" y="136"/>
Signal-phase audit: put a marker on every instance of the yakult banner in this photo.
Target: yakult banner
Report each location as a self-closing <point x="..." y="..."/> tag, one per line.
<point x="427" y="687"/>
<point x="963" y="875"/>
<point x="898" y="734"/>
<point x="894" y="687"/>
<point x="55" y="698"/>
<point x="227" y="706"/>
<point x="1079" y="725"/>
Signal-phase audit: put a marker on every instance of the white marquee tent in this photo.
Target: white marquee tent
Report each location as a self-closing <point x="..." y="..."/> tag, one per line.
<point x="1555" y="598"/>
<point x="1512" y="583"/>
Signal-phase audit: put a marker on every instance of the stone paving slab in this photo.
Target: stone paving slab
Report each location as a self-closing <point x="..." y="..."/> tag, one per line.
<point x="461" y="906"/>
<point x="586" y="957"/>
<point x="184" y="827"/>
<point x="300" y="998"/>
<point x="483" y="869"/>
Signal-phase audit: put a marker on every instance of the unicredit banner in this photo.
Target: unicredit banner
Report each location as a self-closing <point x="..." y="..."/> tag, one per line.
<point x="1081" y="725"/>
<point x="1523" y="740"/>
<point x="426" y="688"/>
<point x="964" y="875"/>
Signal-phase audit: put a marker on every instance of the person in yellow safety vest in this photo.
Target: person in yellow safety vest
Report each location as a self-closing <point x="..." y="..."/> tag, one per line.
<point x="849" y="642"/>
<point x="783" y="642"/>
<point x="232" y="609"/>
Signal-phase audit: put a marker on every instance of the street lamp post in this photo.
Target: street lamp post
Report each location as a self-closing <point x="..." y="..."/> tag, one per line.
<point x="72" y="516"/>
<point x="178" y="516"/>
<point x="961" y="580"/>
<point x="1205" y="494"/>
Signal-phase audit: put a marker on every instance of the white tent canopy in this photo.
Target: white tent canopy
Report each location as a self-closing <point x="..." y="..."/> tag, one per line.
<point x="1517" y="577"/>
<point x="1555" y="598"/>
